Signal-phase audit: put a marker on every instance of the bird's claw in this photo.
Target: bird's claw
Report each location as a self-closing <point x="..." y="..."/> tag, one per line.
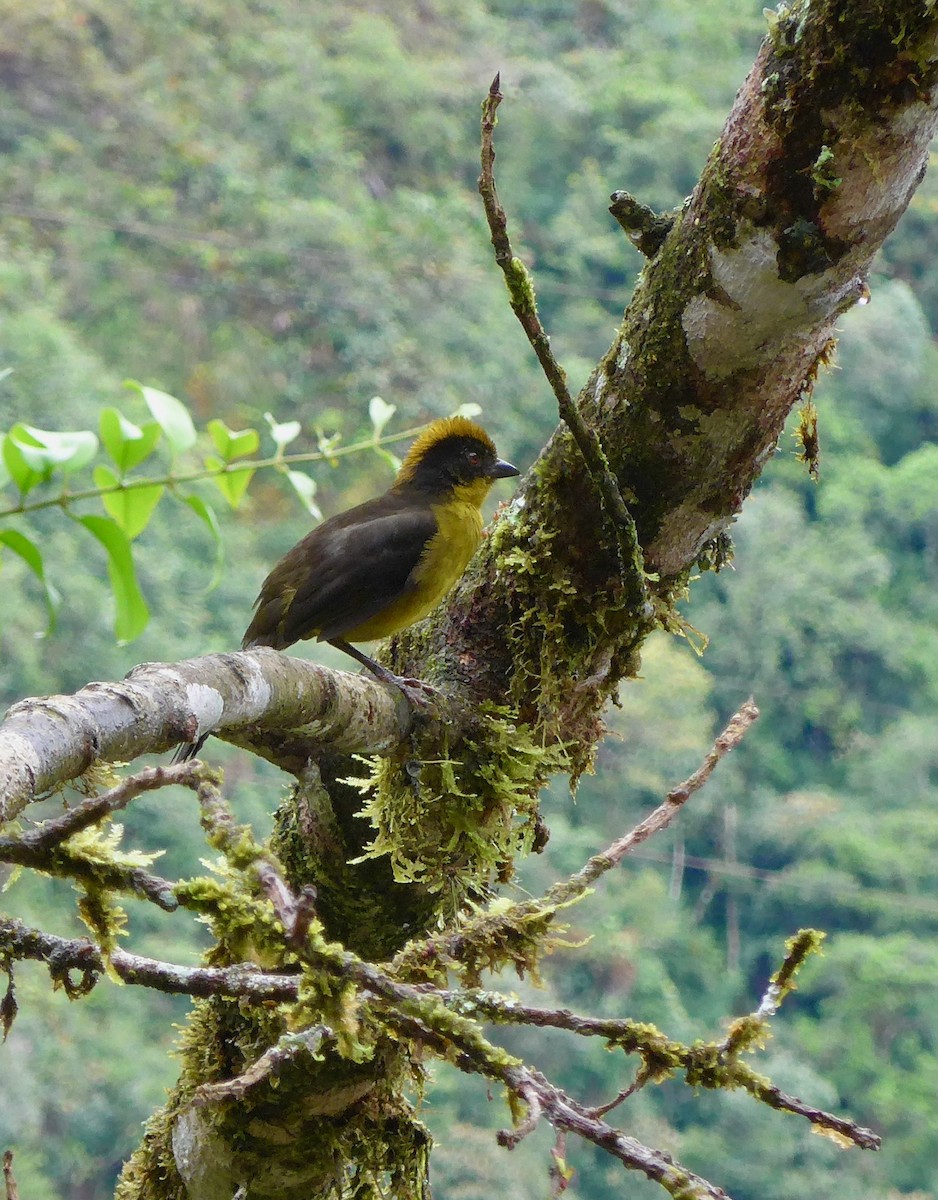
<point x="416" y="691"/>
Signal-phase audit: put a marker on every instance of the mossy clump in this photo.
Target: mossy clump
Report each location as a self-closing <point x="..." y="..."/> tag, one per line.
<point x="571" y="630"/>
<point x="456" y="825"/>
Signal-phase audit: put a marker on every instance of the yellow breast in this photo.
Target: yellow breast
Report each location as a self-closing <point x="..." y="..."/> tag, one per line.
<point x="447" y="554"/>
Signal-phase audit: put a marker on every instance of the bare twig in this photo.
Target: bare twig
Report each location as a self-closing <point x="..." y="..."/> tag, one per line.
<point x="844" y="1131"/>
<point x="663" y="815"/>
<point x="600" y="1110"/>
<point x="509" y="1138"/>
<point x="564" y="1114"/>
<point x="52" y="833"/>
<point x="524" y="306"/>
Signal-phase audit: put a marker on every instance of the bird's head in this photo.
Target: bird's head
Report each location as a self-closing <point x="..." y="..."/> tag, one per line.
<point x="454" y="455"/>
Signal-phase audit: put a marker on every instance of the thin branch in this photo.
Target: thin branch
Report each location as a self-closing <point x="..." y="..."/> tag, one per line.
<point x="278" y="461"/>
<point x="62" y="862"/>
<point x="663" y="815"/>
<point x="48" y="835"/>
<point x="746" y="1032"/>
<point x="524" y="306"/>
<point x="509" y="1138"/>
<point x="641" y="1078"/>
<point x="564" y="1114"/>
<point x="844" y="1131"/>
<point x="45" y="848"/>
<point x="271" y="1063"/>
<point x="661" y="1055"/>
<point x="476" y="1057"/>
<point x="242" y="981"/>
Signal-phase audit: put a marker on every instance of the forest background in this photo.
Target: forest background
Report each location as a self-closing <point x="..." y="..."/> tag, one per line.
<point x="272" y="208"/>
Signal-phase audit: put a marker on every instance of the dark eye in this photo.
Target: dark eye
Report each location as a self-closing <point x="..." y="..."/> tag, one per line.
<point x="473" y="458"/>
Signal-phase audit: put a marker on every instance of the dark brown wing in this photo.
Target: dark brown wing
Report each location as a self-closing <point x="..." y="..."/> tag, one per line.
<point x="344" y="572"/>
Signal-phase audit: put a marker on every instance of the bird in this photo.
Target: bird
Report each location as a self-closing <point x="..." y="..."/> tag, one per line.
<point x="383" y="565"/>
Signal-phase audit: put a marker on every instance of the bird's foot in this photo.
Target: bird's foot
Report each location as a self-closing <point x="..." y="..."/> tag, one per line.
<point x="416" y="692"/>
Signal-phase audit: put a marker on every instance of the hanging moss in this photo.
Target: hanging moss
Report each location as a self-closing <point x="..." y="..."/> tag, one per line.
<point x="455" y="825"/>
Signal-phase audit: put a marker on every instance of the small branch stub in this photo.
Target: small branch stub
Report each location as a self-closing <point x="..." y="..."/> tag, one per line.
<point x="645" y="228"/>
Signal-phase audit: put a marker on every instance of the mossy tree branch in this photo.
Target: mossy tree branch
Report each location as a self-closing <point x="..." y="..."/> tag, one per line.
<point x="310" y="974"/>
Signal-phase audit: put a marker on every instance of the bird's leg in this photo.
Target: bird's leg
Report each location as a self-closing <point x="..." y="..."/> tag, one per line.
<point x="415" y="690"/>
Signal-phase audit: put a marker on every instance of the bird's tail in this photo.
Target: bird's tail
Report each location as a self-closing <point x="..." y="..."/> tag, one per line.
<point x="189" y="750"/>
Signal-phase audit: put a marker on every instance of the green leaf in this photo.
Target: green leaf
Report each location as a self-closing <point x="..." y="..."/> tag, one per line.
<point x="65" y="450"/>
<point x="128" y="444"/>
<point x="5" y="475"/>
<point x="31" y="455"/>
<point x="206" y="514"/>
<point x="131" y="507"/>
<point x="171" y="415"/>
<point x="231" y="443"/>
<point x="380" y="413"/>
<point x="283" y="434"/>
<point x="132" y="614"/>
<point x="21" y="468"/>
<point x="231" y="484"/>
<point x="29" y="552"/>
<point x="305" y="488"/>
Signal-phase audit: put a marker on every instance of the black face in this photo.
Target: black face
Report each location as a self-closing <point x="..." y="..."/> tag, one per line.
<point x="456" y="460"/>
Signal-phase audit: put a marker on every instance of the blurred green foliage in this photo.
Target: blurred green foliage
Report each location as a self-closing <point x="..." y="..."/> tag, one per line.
<point x="271" y="208"/>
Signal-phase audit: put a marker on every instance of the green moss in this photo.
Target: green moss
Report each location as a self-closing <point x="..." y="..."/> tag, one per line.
<point x="328" y="1127"/>
<point x="244" y="924"/>
<point x="454" y="825"/>
<point x="746" y="1033"/>
<point x="823" y="173"/>
<point x="520" y="287"/>
<point x="798" y="948"/>
<point x="335" y="1004"/>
